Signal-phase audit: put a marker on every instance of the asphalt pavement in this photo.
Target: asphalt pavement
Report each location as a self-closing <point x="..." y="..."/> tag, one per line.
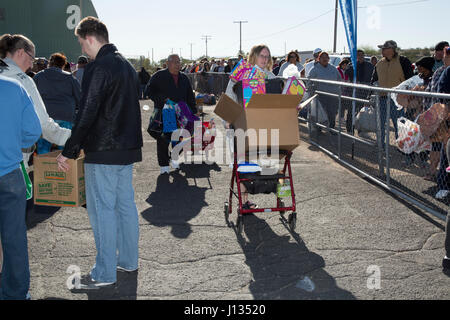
<point x="353" y="240"/>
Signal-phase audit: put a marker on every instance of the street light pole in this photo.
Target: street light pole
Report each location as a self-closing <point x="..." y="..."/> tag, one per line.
<point x="240" y="33"/>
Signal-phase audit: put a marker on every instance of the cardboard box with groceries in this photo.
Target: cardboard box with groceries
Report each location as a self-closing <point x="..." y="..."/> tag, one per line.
<point x="264" y="111"/>
<point x="53" y="187"/>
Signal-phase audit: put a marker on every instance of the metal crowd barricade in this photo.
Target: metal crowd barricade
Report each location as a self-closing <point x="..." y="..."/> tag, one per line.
<point x="400" y="173"/>
<point x="364" y="152"/>
<point x="209" y="82"/>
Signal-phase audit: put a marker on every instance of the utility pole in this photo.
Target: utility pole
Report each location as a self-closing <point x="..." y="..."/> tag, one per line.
<point x="240" y="33"/>
<point x="180" y="53"/>
<point x="206" y="38"/>
<point x="335" y="26"/>
<point x="152" y="57"/>
<point x="191" y="49"/>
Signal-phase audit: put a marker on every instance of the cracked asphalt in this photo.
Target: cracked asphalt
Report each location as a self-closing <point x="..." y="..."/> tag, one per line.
<point x="352" y="240"/>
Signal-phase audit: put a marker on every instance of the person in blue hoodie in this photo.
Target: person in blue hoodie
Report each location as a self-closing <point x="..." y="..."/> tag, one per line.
<point x="61" y="93"/>
<point x="19" y="128"/>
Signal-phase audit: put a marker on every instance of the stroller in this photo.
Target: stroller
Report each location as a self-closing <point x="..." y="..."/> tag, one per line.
<point x="261" y="184"/>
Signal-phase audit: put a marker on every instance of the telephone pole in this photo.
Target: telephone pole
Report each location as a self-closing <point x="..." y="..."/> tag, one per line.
<point x="240" y="33"/>
<point x="191" y="49"/>
<point x="206" y="38"/>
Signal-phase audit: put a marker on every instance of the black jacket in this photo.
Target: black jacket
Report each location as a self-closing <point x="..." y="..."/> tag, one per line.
<point x="364" y="72"/>
<point x="162" y="87"/>
<point x="60" y="92"/>
<point x="108" y="125"/>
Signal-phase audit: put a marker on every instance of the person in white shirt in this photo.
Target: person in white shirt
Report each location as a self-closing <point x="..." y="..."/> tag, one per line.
<point x="17" y="54"/>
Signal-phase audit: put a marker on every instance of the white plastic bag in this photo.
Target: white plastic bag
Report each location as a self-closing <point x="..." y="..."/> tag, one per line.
<point x="321" y="114"/>
<point x="366" y="120"/>
<point x="409" y="84"/>
<point x="291" y="71"/>
<point x="408" y="135"/>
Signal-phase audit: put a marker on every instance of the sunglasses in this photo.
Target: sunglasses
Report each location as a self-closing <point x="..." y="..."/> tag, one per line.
<point x="292" y="57"/>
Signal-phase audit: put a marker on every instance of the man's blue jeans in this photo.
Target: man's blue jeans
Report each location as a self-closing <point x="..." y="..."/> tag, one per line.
<point x="114" y="218"/>
<point x="394" y="115"/>
<point x="15" y="280"/>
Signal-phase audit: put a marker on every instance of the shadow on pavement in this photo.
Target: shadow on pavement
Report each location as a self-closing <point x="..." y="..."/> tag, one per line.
<point x="124" y="289"/>
<point x="174" y="202"/>
<point x="282" y="269"/>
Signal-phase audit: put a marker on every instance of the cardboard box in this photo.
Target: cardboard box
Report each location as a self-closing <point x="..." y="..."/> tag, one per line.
<point x="53" y="187"/>
<point x="264" y="111"/>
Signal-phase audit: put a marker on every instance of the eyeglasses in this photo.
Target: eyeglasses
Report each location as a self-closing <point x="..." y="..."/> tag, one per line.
<point x="264" y="57"/>
<point x="32" y="58"/>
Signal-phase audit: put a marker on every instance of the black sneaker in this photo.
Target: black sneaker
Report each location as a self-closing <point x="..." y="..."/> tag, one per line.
<point x="87" y="283"/>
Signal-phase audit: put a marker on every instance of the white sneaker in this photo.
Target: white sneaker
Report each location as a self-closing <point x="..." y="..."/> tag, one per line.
<point x="175" y="165"/>
<point x="165" y="170"/>
<point x="441" y="194"/>
<point x="125" y="270"/>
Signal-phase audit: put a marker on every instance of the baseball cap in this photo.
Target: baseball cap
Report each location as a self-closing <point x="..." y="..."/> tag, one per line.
<point x="441" y="45"/>
<point x="426" y="62"/>
<point x="41" y="61"/>
<point x="317" y="50"/>
<point x="388" y="44"/>
<point x="82" y="59"/>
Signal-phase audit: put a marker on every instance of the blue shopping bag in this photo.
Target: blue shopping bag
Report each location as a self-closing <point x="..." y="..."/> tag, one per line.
<point x="169" y="118"/>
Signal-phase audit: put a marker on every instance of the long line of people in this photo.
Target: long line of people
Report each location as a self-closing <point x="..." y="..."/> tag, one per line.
<point x="102" y="98"/>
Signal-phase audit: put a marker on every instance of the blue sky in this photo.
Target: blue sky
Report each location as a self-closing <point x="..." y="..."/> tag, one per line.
<point x="137" y="26"/>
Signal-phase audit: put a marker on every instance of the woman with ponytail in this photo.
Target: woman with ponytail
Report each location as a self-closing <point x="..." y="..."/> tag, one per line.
<point x="17" y="54"/>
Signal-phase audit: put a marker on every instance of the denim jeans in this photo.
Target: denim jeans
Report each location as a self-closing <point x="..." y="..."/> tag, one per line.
<point x="114" y="218"/>
<point x="394" y="115"/>
<point x="15" y="280"/>
<point x="43" y="146"/>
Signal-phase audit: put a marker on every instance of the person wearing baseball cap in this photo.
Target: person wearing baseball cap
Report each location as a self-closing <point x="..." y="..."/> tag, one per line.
<point x="389" y="72"/>
<point x="439" y="54"/>
<point x="82" y="62"/>
<point x="310" y="65"/>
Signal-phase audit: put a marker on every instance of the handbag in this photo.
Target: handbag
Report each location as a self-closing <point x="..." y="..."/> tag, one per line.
<point x="155" y="127"/>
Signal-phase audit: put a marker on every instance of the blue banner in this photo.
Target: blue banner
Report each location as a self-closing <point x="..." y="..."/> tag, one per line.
<point x="349" y="16"/>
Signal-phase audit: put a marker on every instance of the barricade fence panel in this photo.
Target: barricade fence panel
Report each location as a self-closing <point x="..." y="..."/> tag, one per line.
<point x="405" y="152"/>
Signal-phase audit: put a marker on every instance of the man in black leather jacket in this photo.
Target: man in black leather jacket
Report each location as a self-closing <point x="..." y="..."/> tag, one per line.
<point x="170" y="84"/>
<point x="108" y="129"/>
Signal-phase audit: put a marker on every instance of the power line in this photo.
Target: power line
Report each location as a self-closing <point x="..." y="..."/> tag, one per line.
<point x="206" y="38"/>
<point x="296" y="26"/>
<point x="393" y="4"/>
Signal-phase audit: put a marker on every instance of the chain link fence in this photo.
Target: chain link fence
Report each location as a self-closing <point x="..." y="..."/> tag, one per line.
<point x="209" y="82"/>
<point x="372" y="131"/>
<point x="384" y="142"/>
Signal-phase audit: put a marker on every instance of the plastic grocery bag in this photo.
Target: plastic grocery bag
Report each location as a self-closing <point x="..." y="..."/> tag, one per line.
<point x="407" y="101"/>
<point x="26" y="178"/>
<point x="366" y="120"/>
<point x="169" y="118"/>
<point x="408" y="135"/>
<point x="316" y="110"/>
